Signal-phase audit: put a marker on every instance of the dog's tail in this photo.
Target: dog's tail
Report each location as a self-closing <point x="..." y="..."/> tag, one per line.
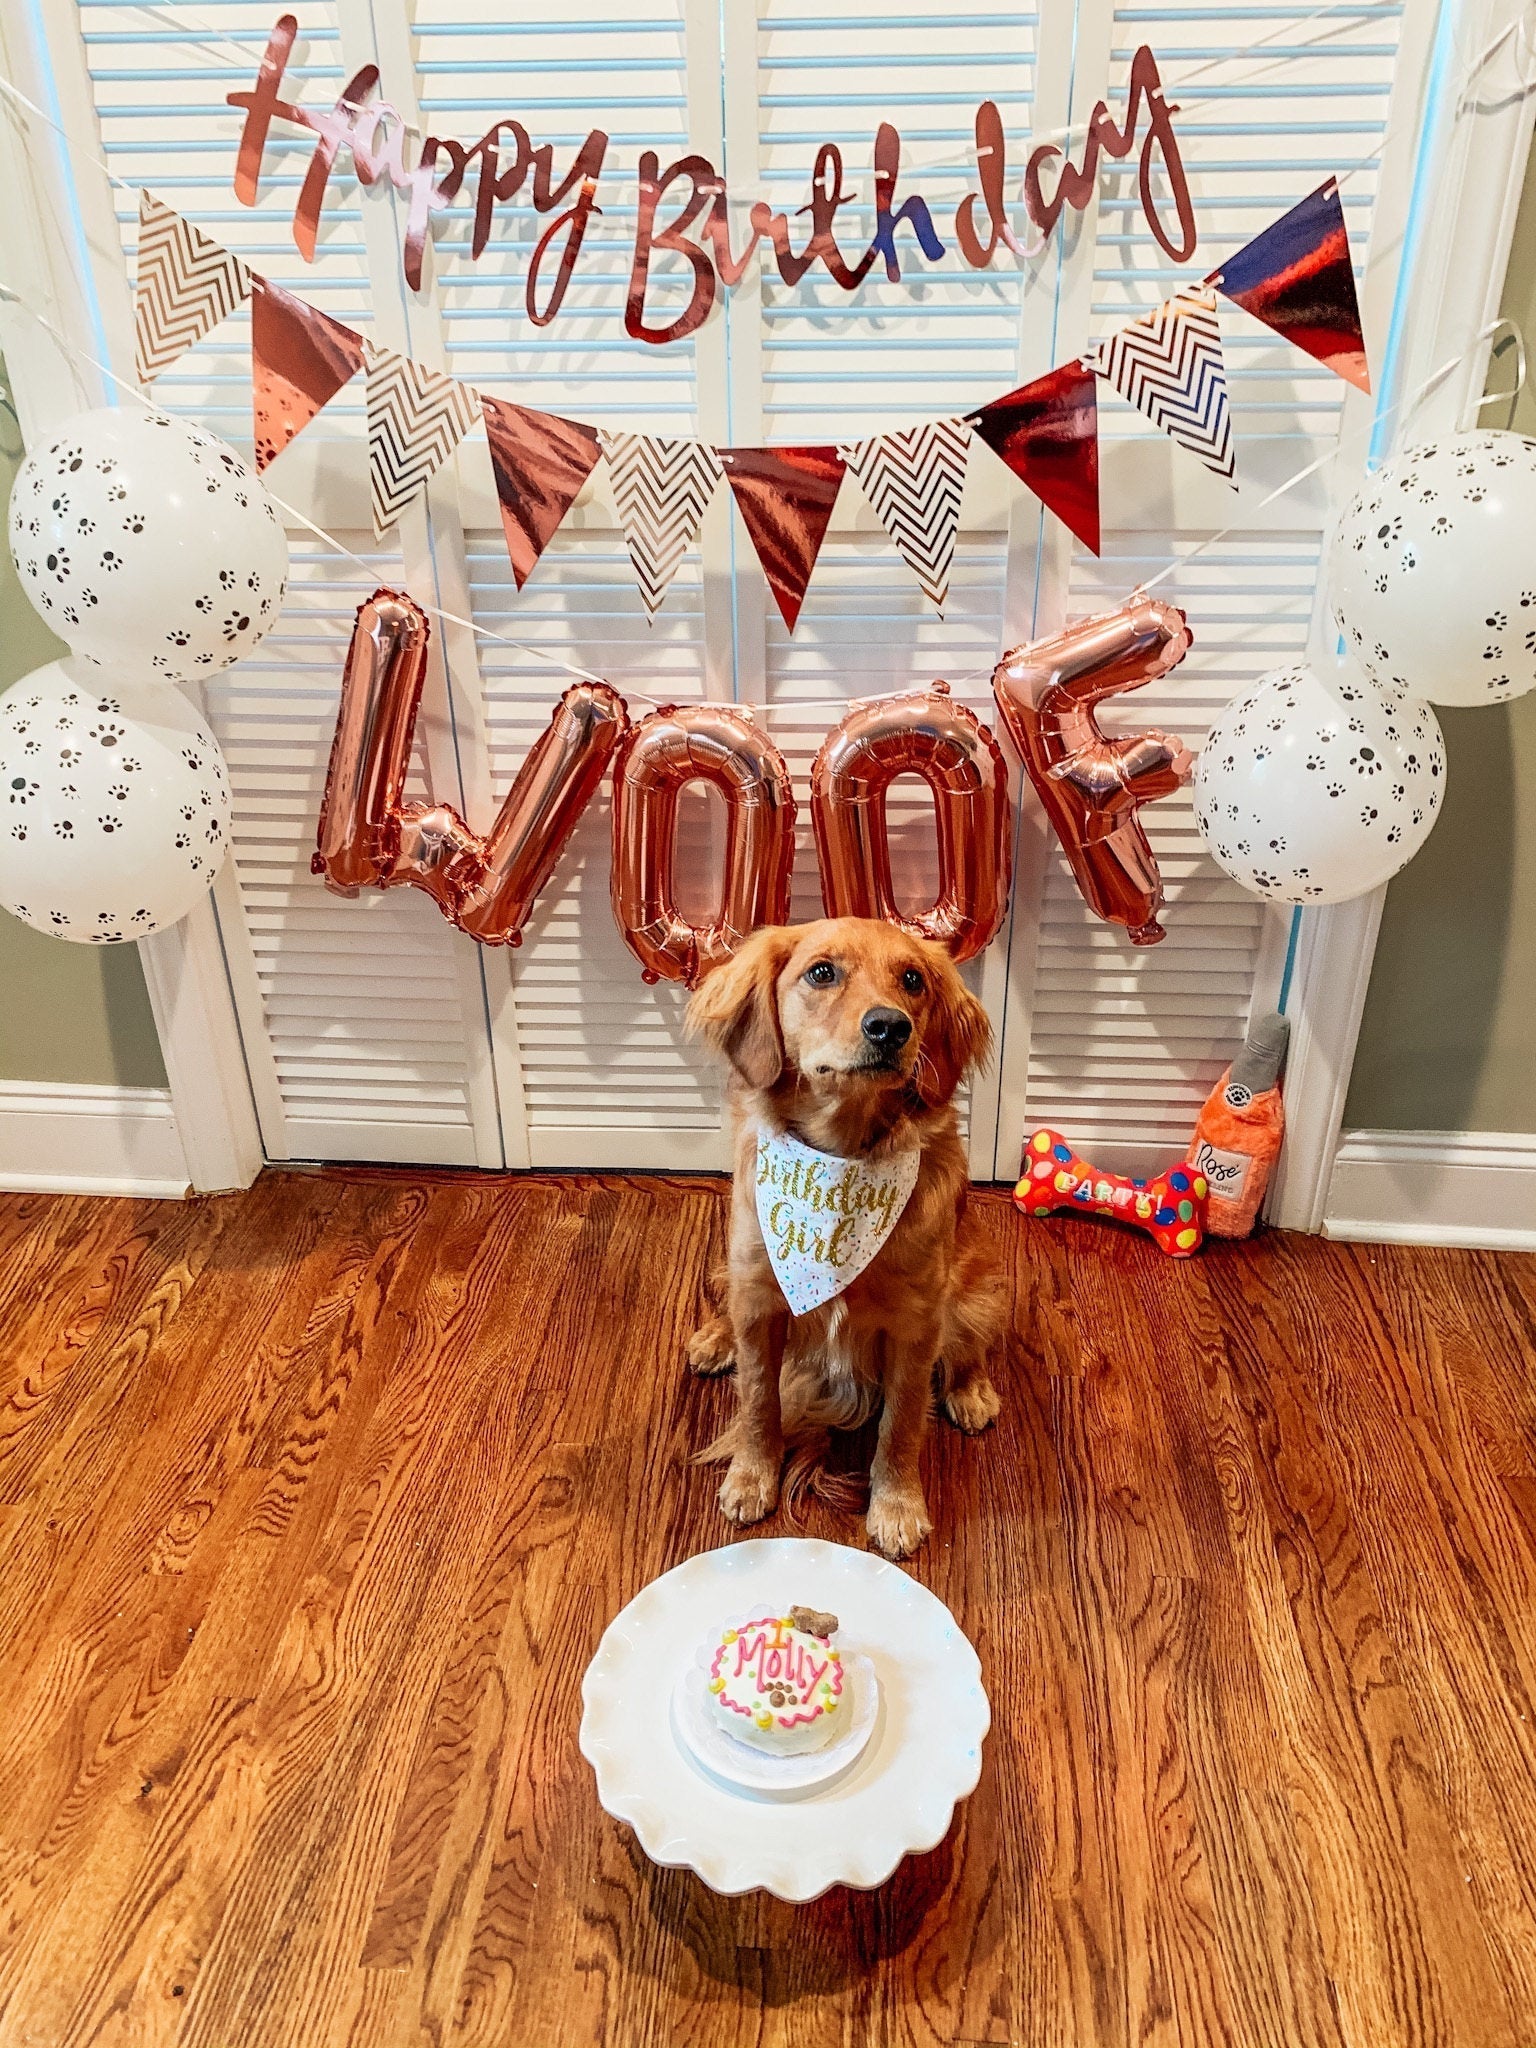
<point x="810" y="1416"/>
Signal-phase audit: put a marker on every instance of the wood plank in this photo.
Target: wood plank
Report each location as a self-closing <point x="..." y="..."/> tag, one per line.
<point x="315" y="1500"/>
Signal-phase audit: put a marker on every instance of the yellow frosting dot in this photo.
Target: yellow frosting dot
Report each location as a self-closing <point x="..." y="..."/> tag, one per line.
<point x="717" y="1685"/>
<point x="836" y="1656"/>
<point x="729" y="1636"/>
<point x="1186" y="1238"/>
<point x="763" y="1720"/>
<point x="831" y="1703"/>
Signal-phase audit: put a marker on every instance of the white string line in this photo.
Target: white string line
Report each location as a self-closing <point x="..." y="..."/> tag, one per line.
<point x="207" y="36"/>
<point x="948" y="162"/>
<point x="1172" y="88"/>
<point x="1409" y="400"/>
<point x="791" y="706"/>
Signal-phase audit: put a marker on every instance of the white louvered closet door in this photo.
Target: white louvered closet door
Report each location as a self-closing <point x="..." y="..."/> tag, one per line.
<point x="372" y="1030"/>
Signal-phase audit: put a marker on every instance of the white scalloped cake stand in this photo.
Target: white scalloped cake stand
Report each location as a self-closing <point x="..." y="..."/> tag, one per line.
<point x="897" y="1800"/>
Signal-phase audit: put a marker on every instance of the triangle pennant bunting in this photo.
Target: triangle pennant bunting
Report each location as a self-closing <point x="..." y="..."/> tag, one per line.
<point x="1169" y="364"/>
<point x="785" y="496"/>
<point x="186" y="284"/>
<point x="1297" y="278"/>
<point x="662" y="490"/>
<point x="914" y="481"/>
<point x="300" y="358"/>
<point x="540" y="462"/>
<point x="416" y="418"/>
<point x="1048" y="434"/>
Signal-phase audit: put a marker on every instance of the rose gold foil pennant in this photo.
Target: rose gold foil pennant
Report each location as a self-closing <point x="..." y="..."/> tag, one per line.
<point x="300" y="358"/>
<point x="540" y="462"/>
<point x="1297" y="278"/>
<point x="1048" y="434"/>
<point x="786" y="497"/>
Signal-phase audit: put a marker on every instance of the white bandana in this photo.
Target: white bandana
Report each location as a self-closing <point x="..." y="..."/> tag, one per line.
<point x="823" y="1218"/>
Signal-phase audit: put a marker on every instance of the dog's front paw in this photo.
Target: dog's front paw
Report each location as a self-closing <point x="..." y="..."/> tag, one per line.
<point x="749" y="1490"/>
<point x="897" y="1522"/>
<point x="974" y="1406"/>
<point x="710" y="1348"/>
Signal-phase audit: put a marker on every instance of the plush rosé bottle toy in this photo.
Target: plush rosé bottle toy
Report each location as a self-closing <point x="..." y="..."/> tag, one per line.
<point x="1239" y="1131"/>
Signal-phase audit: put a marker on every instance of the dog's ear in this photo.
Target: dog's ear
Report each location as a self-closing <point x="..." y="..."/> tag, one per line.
<point x="736" y="1007"/>
<point x="956" y="1037"/>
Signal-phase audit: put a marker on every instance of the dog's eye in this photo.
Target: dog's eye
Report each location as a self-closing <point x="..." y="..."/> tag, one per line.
<point x="913" y="982"/>
<point x="821" y="975"/>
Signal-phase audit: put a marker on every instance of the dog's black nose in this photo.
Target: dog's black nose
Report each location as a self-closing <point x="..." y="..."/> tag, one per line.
<point x="886" y="1030"/>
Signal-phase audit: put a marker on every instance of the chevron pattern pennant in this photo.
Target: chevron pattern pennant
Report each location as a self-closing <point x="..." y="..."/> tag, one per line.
<point x="186" y="284"/>
<point x="662" y="490"/>
<point x="1169" y="365"/>
<point x="416" y="418"/>
<point x="913" y="481"/>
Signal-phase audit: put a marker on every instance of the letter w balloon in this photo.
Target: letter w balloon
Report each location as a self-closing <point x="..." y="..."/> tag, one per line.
<point x="370" y="837"/>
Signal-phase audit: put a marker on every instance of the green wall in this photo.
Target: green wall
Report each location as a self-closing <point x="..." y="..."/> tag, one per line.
<point x="67" y="1013"/>
<point x="1449" y="1037"/>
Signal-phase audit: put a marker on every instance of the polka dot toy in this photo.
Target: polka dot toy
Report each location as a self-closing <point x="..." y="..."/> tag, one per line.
<point x="1170" y="1209"/>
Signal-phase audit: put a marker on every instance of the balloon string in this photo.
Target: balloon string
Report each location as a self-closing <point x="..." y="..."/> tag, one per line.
<point x="1409" y="400"/>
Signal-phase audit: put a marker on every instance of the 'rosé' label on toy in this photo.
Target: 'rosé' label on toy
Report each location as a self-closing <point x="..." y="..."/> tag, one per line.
<point x="1226" y="1171"/>
<point x="823" y="1218"/>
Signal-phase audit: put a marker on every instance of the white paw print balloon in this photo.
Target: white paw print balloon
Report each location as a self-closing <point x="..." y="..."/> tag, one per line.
<point x="1309" y="791"/>
<point x="1432" y="571"/>
<point x="148" y="545"/>
<point x="114" y="805"/>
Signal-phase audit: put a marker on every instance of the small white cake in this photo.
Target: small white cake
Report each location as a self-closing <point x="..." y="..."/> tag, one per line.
<point x="777" y="1683"/>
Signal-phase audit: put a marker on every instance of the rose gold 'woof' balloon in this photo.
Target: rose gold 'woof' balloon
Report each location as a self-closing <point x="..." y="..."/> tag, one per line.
<point x="954" y="753"/>
<point x="718" y="743"/>
<point x="369" y="837"/>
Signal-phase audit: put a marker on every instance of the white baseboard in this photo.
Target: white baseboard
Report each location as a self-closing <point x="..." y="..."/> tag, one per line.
<point x="1471" y="1188"/>
<point x="68" y="1139"/>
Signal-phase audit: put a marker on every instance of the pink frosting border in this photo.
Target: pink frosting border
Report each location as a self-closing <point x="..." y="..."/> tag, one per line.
<point x="784" y="1720"/>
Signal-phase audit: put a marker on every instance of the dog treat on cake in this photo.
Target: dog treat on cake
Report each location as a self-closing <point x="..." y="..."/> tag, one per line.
<point x="777" y="1682"/>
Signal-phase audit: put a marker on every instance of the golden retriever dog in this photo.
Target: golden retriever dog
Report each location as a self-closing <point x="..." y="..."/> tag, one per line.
<point x="852" y="1037"/>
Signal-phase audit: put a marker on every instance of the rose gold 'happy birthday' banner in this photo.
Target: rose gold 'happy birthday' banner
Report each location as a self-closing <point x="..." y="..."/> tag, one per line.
<point x="1295" y="275"/>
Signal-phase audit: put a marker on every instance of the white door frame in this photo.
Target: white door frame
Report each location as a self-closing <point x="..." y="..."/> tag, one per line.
<point x="1453" y="220"/>
<point x="61" y="241"/>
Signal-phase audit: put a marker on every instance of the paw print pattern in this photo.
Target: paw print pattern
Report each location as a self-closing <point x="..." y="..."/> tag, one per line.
<point x="107" y="734"/>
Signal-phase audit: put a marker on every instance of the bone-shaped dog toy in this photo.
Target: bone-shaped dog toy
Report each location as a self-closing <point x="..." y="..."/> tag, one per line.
<point x="1170" y="1209"/>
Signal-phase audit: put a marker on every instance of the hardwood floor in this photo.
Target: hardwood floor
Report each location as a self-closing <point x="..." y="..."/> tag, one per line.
<point x="315" y="1500"/>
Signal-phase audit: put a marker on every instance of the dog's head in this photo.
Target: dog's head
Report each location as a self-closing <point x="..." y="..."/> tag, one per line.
<point x="851" y="1006"/>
